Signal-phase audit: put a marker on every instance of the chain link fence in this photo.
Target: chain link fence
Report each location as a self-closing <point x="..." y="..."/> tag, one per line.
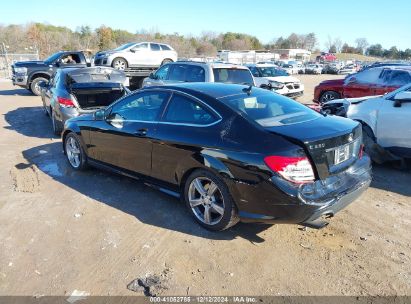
<point x="7" y="59"/>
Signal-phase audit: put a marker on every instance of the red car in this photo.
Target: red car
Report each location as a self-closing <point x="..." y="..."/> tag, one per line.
<point x="326" y="57"/>
<point x="369" y="82"/>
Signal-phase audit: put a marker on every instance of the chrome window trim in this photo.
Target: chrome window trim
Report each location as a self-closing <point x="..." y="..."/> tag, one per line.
<point x="171" y="91"/>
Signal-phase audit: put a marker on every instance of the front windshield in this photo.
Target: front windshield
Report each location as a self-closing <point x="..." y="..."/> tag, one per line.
<point x="272" y="72"/>
<point x="124" y="46"/>
<point x="53" y="57"/>
<point x="270" y="109"/>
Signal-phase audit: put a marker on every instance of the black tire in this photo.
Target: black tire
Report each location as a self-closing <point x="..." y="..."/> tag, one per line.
<point x="221" y="198"/>
<point x="329" y="95"/>
<point x="57" y="127"/>
<point x="119" y="64"/>
<point x="34" y="86"/>
<point x="82" y="156"/>
<point x="167" y="60"/>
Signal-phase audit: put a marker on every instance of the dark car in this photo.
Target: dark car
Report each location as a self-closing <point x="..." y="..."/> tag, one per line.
<point x="76" y="91"/>
<point x="28" y="74"/>
<point x="232" y="152"/>
<point x="369" y="82"/>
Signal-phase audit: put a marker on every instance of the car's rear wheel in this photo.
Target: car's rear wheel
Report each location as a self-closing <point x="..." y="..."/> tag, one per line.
<point x="57" y="128"/>
<point x="329" y="95"/>
<point x="167" y="60"/>
<point x="76" y="156"/>
<point x="209" y="201"/>
<point x="35" y="87"/>
<point x="119" y="64"/>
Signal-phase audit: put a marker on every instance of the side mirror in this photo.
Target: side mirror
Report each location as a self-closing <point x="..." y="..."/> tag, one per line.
<point x="133" y="50"/>
<point x="266" y="86"/>
<point x="99" y="115"/>
<point x="152" y="76"/>
<point x="401" y="97"/>
<point x="352" y="80"/>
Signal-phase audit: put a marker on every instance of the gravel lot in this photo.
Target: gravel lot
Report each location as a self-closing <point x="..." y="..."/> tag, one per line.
<point x="96" y="232"/>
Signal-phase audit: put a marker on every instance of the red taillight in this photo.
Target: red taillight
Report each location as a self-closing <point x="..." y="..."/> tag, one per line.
<point x="65" y="102"/>
<point x="294" y="169"/>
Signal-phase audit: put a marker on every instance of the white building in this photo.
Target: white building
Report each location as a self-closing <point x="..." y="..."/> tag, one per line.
<point x="248" y="56"/>
<point x="293" y="54"/>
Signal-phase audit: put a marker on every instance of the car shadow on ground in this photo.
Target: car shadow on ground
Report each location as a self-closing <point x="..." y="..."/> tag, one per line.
<point x="386" y="177"/>
<point x="30" y="121"/>
<point x="16" y="92"/>
<point x="148" y="205"/>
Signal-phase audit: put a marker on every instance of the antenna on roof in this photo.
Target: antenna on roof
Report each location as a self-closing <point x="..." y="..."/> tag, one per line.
<point x="248" y="90"/>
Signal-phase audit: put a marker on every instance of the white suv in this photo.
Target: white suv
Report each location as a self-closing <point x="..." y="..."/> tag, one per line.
<point x="191" y="71"/>
<point x="140" y="54"/>
<point x="278" y="79"/>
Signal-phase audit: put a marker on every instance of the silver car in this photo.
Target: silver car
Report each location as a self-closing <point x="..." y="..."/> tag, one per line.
<point x="190" y="71"/>
<point x="140" y="54"/>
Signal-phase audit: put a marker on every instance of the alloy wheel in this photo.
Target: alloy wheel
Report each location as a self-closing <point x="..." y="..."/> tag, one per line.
<point x="119" y="65"/>
<point x="73" y="152"/>
<point x="206" y="200"/>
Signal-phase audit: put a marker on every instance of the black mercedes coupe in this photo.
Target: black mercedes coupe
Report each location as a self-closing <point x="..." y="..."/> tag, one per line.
<point x="231" y="152"/>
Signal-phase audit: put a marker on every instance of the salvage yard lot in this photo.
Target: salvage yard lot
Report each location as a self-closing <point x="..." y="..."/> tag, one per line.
<point x="96" y="232"/>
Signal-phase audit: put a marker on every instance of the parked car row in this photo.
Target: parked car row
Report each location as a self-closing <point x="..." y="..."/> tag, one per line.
<point x="206" y="133"/>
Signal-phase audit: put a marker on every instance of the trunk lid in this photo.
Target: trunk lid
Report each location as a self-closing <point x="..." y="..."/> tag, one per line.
<point x="332" y="143"/>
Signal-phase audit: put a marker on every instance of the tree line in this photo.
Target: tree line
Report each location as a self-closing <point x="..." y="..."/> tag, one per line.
<point x="47" y="39"/>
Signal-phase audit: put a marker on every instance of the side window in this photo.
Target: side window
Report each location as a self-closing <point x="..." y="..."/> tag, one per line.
<point x="195" y="74"/>
<point x="165" y="47"/>
<point x="143" y="107"/>
<point x="184" y="110"/>
<point x="399" y="78"/>
<point x="154" y="47"/>
<point x="177" y="72"/>
<point x="254" y="71"/>
<point x="141" y="46"/>
<point x="162" y="72"/>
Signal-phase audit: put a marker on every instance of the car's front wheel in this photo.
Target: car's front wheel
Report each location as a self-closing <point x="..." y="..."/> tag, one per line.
<point x="119" y="64"/>
<point x="35" y="85"/>
<point x="209" y="201"/>
<point x="76" y="156"/>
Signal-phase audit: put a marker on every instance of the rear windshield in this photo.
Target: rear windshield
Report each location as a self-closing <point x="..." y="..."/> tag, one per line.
<point x="270" y="109"/>
<point x="230" y="75"/>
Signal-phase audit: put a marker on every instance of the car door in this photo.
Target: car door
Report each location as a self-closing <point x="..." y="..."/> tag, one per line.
<point x="156" y="55"/>
<point x="124" y="138"/>
<point x="362" y="84"/>
<point x="139" y="55"/>
<point x="186" y="127"/>
<point x="176" y="74"/>
<point x="393" y="125"/>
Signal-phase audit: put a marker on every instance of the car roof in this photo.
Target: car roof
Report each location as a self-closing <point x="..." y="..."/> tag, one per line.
<point x="217" y="65"/>
<point x="211" y="89"/>
<point x="262" y="65"/>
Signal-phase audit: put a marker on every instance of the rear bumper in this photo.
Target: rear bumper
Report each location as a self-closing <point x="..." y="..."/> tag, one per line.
<point x="292" y="205"/>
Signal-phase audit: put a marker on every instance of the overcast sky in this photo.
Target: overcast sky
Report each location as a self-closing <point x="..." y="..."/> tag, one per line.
<point x="385" y="22"/>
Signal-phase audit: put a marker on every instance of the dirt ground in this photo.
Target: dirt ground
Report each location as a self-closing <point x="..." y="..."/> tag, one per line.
<point x="94" y="232"/>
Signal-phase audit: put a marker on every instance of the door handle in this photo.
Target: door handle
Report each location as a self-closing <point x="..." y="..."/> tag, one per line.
<point x="141" y="132"/>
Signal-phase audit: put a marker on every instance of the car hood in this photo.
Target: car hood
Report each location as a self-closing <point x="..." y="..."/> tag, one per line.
<point x="29" y="63"/>
<point x="333" y="82"/>
<point x="349" y="101"/>
<point x="283" y="79"/>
